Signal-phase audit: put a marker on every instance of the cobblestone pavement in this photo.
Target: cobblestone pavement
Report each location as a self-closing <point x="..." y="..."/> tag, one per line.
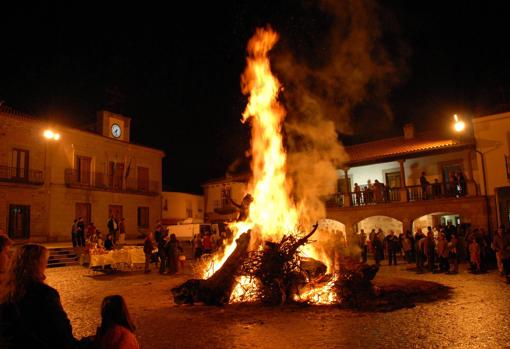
<point x="475" y="316"/>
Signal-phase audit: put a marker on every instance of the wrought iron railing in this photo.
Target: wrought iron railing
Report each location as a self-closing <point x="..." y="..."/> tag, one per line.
<point x="100" y="181"/>
<point x="388" y="195"/>
<point x="21" y="175"/>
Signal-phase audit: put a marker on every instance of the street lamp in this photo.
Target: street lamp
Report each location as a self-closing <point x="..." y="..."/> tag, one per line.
<point x="459" y="125"/>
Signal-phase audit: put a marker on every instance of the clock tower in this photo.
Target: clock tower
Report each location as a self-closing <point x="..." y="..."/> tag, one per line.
<point x="113" y="125"/>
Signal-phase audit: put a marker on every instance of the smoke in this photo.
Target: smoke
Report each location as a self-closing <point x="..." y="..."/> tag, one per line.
<point x="350" y="70"/>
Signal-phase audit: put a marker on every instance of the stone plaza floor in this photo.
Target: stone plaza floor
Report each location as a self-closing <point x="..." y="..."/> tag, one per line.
<point x="477" y="315"/>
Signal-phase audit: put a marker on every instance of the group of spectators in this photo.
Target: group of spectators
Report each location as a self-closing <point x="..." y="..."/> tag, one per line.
<point x="165" y="249"/>
<point x="32" y="316"/>
<point x="370" y="193"/>
<point x="440" y="249"/>
<point x="90" y="237"/>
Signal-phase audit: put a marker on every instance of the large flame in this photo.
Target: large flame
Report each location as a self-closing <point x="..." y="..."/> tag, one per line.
<point x="272" y="213"/>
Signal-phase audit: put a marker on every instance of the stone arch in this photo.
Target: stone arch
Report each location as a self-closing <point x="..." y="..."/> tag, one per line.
<point x="386" y="223"/>
<point x="435" y="219"/>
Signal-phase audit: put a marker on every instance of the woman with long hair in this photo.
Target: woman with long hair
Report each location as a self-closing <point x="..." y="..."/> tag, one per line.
<point x="31" y="312"/>
<point x="117" y="328"/>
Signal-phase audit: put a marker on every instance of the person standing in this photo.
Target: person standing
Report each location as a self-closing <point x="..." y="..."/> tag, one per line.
<point x="197" y="246"/>
<point x="407" y="246"/>
<point x="112" y="227"/>
<point x="363" y="246"/>
<point x="505" y="255"/>
<point x="430" y="250"/>
<point x="378" y="250"/>
<point x="74" y="233"/>
<point x="81" y="232"/>
<point x="357" y="192"/>
<point x="122" y="230"/>
<point x="497" y="246"/>
<point x="148" y="246"/>
<point x="172" y="249"/>
<point x="424" y="185"/>
<point x="443" y="253"/>
<point x="207" y="243"/>
<point x="453" y="246"/>
<point x="391" y="242"/>
<point x="5" y="245"/>
<point x="161" y="241"/>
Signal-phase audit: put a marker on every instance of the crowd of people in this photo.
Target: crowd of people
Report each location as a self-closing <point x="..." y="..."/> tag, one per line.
<point x="377" y="192"/>
<point x="32" y="315"/>
<point x="440" y="249"/>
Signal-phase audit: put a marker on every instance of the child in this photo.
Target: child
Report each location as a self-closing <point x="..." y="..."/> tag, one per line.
<point x="117" y="328"/>
<point x="474" y="255"/>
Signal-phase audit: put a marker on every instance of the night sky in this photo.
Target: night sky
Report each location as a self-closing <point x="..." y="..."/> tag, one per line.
<point x="175" y="69"/>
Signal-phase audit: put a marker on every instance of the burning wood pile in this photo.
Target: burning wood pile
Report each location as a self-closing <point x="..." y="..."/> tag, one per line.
<point x="272" y="260"/>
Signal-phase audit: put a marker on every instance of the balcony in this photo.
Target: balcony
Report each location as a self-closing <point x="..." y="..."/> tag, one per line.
<point x="411" y="193"/>
<point x="224" y="206"/>
<point x="21" y="176"/>
<point x="100" y="181"/>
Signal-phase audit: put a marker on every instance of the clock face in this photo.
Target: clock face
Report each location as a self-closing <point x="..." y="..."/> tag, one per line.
<point x="116" y="131"/>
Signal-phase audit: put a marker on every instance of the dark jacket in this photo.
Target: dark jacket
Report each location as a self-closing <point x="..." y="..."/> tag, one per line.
<point x="37" y="321"/>
<point x="147" y="246"/>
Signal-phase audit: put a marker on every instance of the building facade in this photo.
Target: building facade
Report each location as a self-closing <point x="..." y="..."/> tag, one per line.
<point x="492" y="134"/>
<point x="46" y="181"/>
<point x="178" y="207"/>
<point x="218" y="197"/>
<point x="410" y="182"/>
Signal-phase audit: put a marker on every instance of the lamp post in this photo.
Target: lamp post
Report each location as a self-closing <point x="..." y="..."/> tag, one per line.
<point x="50" y="136"/>
<point x="459" y="126"/>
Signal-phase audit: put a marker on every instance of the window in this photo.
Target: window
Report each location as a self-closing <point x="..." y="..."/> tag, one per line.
<point x="393" y="179"/>
<point x="20" y="163"/>
<point x="19" y="221"/>
<point x="143" y="217"/>
<point x="225" y="196"/>
<point x="83" y="210"/>
<point x="83" y="169"/>
<point x="189" y="209"/>
<point x="115" y="175"/>
<point x="143" y="178"/>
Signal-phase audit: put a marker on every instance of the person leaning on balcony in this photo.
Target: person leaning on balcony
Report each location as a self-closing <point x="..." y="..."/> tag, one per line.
<point x="357" y="193"/>
<point x="436" y="189"/>
<point x="424" y="185"/>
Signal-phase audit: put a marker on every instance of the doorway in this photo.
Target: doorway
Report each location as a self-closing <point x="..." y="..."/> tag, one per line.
<point x="83" y="210"/>
<point x="19" y="221"/>
<point x="115" y="211"/>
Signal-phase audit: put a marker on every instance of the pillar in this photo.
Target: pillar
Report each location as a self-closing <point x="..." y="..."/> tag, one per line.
<point x="347" y="194"/>
<point x="403" y="189"/>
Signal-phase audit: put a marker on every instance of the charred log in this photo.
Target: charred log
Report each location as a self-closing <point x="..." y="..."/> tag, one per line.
<point x="217" y="289"/>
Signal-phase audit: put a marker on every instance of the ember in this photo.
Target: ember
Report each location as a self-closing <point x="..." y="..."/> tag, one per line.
<point x="272" y="260"/>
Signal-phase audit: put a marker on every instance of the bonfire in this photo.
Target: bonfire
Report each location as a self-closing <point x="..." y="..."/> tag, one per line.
<point x="273" y="258"/>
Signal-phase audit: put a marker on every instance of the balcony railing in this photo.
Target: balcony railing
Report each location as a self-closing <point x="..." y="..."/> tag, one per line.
<point x="21" y="175"/>
<point x="100" y="181"/>
<point x="407" y="194"/>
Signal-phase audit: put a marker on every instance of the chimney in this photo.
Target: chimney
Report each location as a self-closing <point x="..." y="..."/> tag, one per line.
<point x="408" y="131"/>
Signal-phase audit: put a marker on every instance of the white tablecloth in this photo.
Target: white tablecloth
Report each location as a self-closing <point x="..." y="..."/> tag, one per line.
<point x="128" y="256"/>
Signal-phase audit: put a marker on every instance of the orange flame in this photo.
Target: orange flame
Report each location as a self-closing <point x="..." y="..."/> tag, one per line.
<point x="272" y="212"/>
